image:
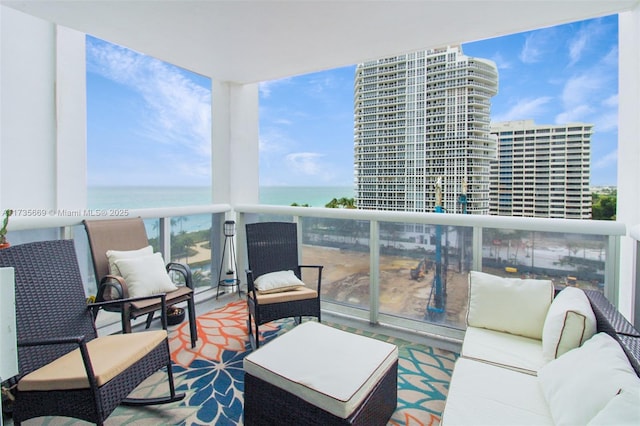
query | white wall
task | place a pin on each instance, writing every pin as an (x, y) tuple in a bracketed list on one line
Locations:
[(43, 114), (628, 149)]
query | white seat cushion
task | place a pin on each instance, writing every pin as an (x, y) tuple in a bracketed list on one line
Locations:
[(329, 368), (482, 393), (508, 350)]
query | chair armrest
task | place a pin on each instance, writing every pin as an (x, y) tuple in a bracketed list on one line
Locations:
[(95, 307), (51, 341), (114, 282), (183, 270)]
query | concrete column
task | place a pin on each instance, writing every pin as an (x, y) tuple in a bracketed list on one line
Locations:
[(235, 143), (628, 210)]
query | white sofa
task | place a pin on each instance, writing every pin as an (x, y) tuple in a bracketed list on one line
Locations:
[(531, 358)]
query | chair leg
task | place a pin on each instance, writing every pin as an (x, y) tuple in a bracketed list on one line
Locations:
[(252, 339), (149, 319), (193, 326), (172, 397)]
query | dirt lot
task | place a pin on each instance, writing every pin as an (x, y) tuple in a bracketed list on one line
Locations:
[(346, 279)]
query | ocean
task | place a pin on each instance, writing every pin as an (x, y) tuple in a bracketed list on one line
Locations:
[(140, 197)]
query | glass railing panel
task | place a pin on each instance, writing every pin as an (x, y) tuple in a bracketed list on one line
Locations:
[(342, 247), (565, 258), (191, 242), (423, 272)]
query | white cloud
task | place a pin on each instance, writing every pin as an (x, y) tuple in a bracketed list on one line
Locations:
[(536, 45), (582, 96), (524, 109), (611, 159), (580, 89), (576, 113), (611, 101), (501, 62), (307, 163), (266, 87), (177, 111), (577, 46), (583, 39)]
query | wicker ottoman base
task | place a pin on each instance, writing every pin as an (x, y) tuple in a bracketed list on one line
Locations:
[(266, 404)]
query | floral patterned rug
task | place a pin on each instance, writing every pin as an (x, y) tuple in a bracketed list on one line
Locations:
[(211, 376)]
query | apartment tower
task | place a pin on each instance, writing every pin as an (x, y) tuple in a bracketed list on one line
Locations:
[(541, 170), (421, 118)]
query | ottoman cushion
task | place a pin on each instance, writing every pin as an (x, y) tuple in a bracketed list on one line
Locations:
[(332, 369)]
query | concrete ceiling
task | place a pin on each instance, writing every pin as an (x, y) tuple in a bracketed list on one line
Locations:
[(260, 40)]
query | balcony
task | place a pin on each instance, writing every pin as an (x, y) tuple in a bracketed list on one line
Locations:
[(44, 145), (381, 265)]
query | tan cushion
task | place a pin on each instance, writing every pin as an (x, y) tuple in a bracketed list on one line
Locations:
[(180, 292), (287, 296), (110, 356)]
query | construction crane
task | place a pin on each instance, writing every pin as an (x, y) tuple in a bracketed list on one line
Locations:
[(436, 302)]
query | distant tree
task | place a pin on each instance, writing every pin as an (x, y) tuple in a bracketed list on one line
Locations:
[(333, 204), (300, 205), (344, 203), (603, 206)]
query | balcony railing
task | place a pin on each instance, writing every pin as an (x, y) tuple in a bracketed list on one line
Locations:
[(407, 270)]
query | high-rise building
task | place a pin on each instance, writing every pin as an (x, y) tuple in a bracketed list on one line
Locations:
[(541, 170), (420, 118)]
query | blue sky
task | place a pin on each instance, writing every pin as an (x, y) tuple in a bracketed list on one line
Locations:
[(149, 122)]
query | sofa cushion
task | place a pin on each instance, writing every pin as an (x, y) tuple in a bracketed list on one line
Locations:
[(580, 383), (622, 410), (513, 305), (481, 393), (569, 323), (507, 350)]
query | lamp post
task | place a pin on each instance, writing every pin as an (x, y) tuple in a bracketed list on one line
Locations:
[(230, 280)]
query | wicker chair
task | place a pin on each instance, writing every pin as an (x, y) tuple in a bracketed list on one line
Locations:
[(130, 234), (65, 369), (273, 247)]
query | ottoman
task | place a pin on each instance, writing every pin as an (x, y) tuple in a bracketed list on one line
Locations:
[(318, 375)]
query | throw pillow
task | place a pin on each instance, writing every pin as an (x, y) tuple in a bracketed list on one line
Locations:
[(512, 305), (580, 383), (114, 255), (622, 410), (275, 282), (569, 323), (145, 276)]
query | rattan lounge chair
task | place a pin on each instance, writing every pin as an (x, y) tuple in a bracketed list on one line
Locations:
[(273, 247), (130, 234), (65, 369)]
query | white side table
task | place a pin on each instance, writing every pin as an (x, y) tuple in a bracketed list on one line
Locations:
[(8, 345)]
